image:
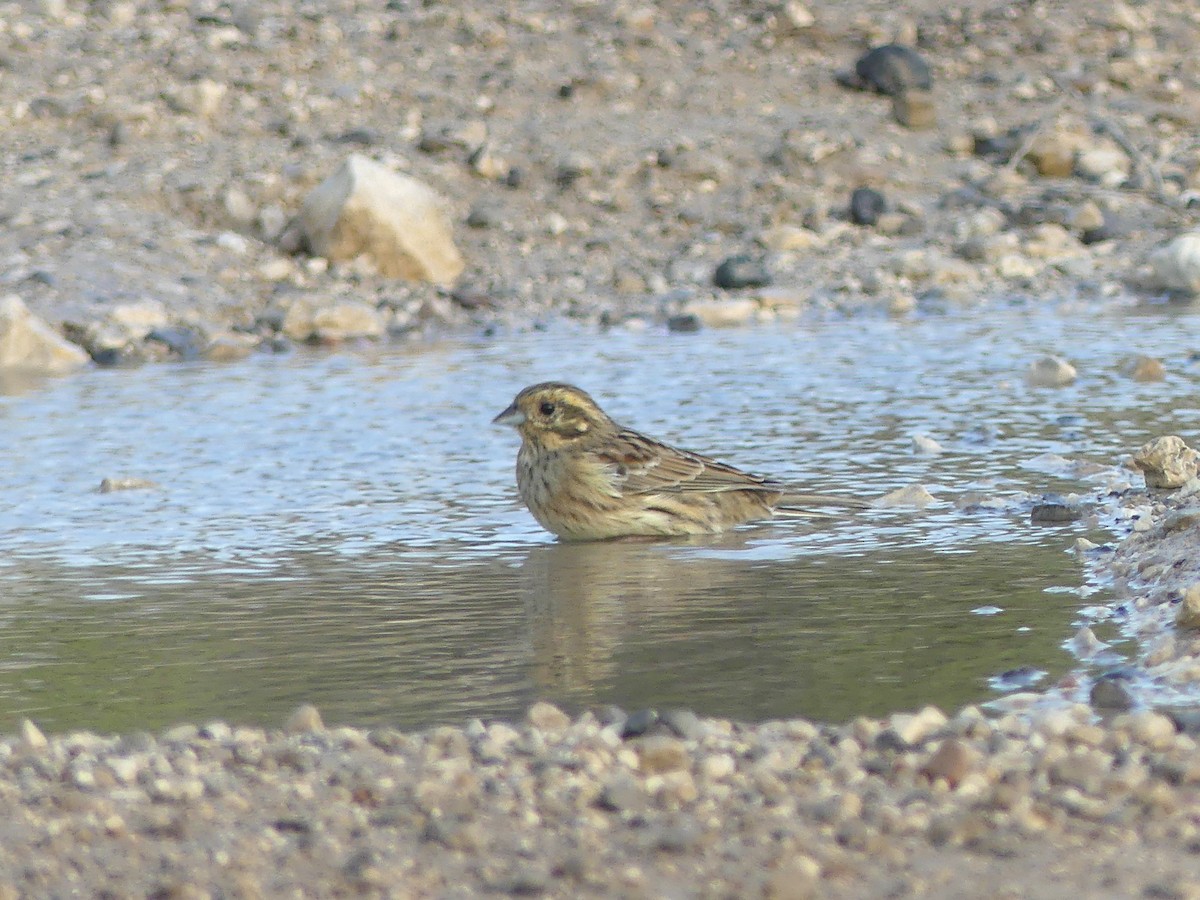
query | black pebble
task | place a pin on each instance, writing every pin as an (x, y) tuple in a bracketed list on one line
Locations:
[(866, 206), (182, 342), (893, 69), (639, 723), (741, 271), (1054, 513), (1110, 692), (684, 323)]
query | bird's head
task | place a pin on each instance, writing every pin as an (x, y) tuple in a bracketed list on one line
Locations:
[(553, 415)]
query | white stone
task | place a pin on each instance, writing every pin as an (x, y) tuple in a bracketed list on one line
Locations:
[(364, 208), (1176, 267), (1050, 371), (27, 344), (915, 495)]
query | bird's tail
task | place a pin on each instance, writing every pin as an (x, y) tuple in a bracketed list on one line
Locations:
[(817, 505)]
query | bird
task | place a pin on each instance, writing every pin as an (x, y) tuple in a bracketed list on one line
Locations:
[(584, 477)]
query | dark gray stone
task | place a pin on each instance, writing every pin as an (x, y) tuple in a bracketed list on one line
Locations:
[(741, 271), (893, 69), (866, 206)]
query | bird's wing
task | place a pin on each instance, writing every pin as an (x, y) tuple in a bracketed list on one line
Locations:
[(641, 465)]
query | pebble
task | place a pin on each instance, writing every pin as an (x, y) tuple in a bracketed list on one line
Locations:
[(724, 313), (304, 720), (1054, 513), (365, 209), (893, 69), (658, 754), (1176, 266), (914, 495), (866, 206), (685, 323), (1111, 693), (1050, 371), (915, 109), (27, 344), (1188, 613), (925, 445), (547, 717), (914, 728), (951, 762), (128, 483), (1144, 368), (1167, 462), (741, 271)]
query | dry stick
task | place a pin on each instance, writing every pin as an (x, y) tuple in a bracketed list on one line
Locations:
[(1139, 159), (1030, 139)]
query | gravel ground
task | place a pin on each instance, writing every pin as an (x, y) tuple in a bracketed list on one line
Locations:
[(600, 161)]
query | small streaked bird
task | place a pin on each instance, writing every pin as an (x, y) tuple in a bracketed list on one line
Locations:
[(584, 477)]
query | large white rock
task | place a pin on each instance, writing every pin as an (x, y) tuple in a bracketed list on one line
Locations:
[(1176, 266), (396, 220), (27, 344)]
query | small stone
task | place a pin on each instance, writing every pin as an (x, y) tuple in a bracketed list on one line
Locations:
[(893, 69), (1050, 371), (182, 342), (924, 445), (639, 723), (229, 347), (659, 753), (1144, 368), (866, 205), (740, 272), (1148, 728), (364, 208), (1088, 217), (1188, 614), (547, 717), (27, 344), (798, 15), (31, 736), (952, 762), (1054, 512), (1111, 693), (915, 109), (715, 768), (684, 723), (1167, 462), (915, 495), (1176, 267), (788, 238), (1053, 154), (796, 878), (724, 313), (622, 793), (1106, 165), (1085, 643), (305, 719), (685, 323), (914, 728), (346, 320), (111, 485)]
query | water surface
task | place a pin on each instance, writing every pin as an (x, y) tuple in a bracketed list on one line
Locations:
[(343, 528)]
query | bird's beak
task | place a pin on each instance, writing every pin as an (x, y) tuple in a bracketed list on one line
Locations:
[(511, 416)]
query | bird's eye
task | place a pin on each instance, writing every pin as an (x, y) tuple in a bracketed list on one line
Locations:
[(547, 408)]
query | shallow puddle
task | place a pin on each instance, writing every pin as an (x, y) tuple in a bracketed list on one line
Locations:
[(343, 529)]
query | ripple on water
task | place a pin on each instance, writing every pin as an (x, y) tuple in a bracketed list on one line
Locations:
[(342, 529)]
